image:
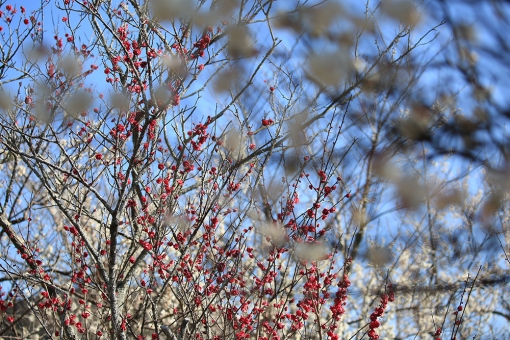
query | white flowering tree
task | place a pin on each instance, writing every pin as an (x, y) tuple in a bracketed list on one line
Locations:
[(237, 169)]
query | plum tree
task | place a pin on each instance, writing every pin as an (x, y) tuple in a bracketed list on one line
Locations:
[(226, 169)]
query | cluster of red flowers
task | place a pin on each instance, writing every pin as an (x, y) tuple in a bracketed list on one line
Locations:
[(379, 312), (199, 130), (201, 45), (438, 333), (267, 122), (5, 303)]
